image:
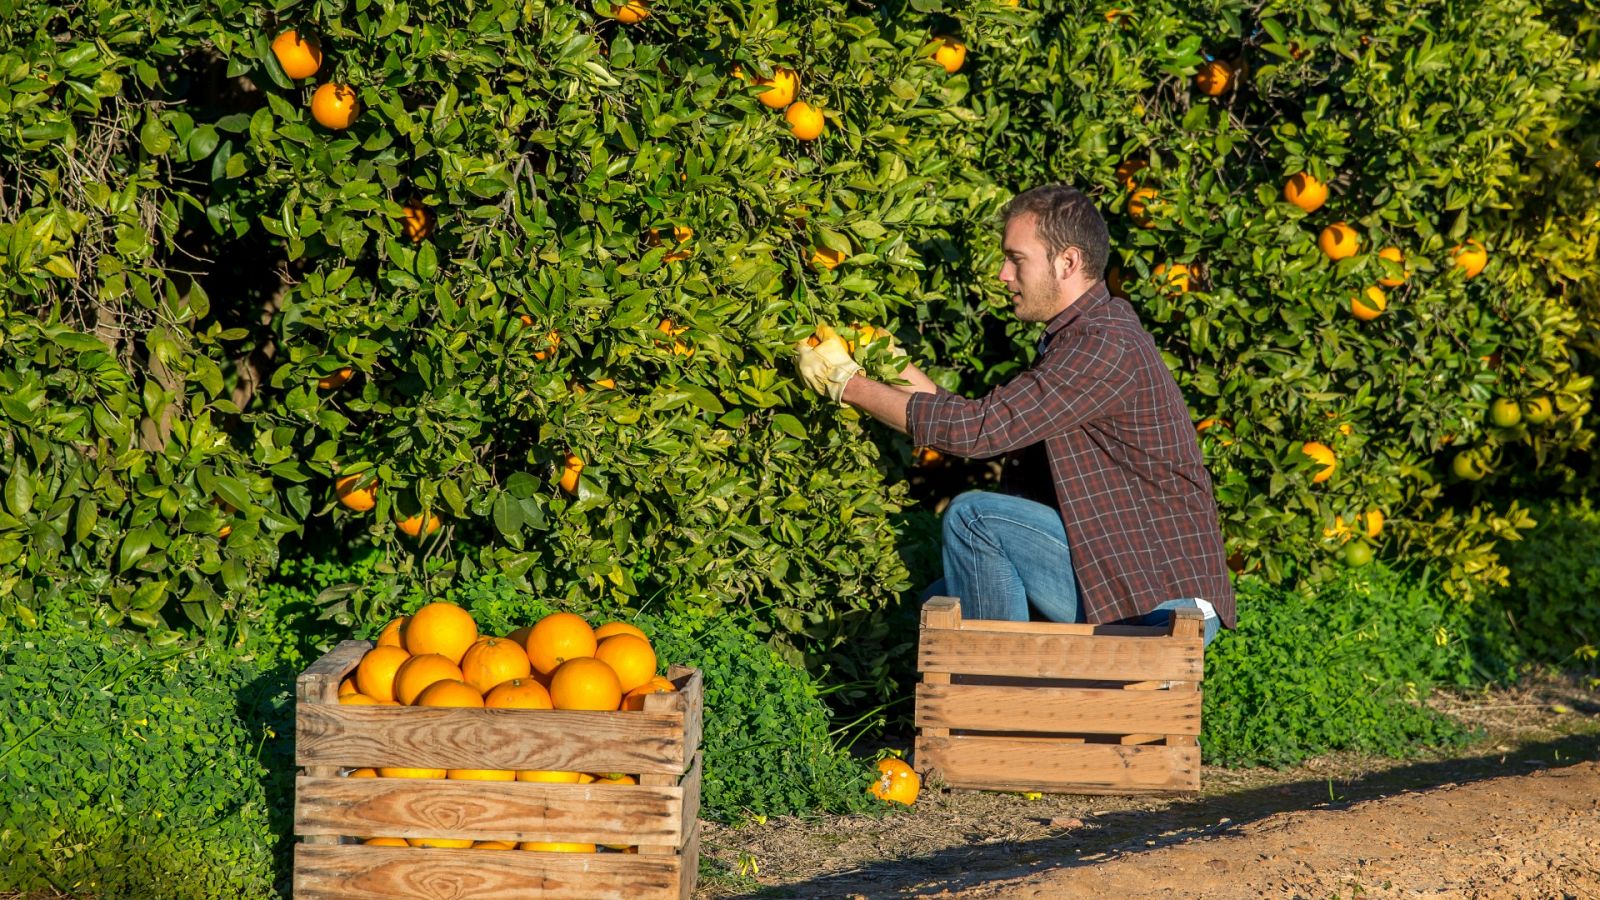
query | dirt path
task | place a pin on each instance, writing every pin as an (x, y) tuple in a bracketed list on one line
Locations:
[(1515, 815), (1517, 837)]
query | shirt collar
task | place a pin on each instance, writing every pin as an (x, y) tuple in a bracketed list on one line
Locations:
[(1086, 301)]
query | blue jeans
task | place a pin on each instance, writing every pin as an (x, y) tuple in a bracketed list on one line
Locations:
[(1003, 554)]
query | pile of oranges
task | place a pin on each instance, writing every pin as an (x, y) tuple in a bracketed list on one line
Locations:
[(437, 657)]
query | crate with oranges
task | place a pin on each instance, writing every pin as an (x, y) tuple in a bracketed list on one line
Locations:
[(562, 744)]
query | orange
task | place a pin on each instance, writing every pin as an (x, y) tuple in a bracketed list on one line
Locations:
[(518, 693), (897, 782), (335, 380), (1203, 424), (493, 661), (1393, 255), (570, 473), (442, 628), (585, 778), (1471, 257), (224, 531), (375, 674), (392, 633), (927, 457), (616, 778), (951, 53), (1323, 454), (679, 348), (404, 772), (1370, 305), (630, 13), (780, 88), (521, 635), (657, 685), (1214, 78), (419, 672), (585, 683), (447, 843), (353, 496), (451, 693), (557, 638), (557, 847), (552, 341), (546, 776), (335, 106), (826, 257), (1339, 241), (359, 700), (610, 628), (805, 121), (1127, 169), (348, 686), (1373, 521), (495, 845), (1178, 279), (412, 524), (1139, 206), (299, 56), (1305, 191), (363, 773), (481, 774), (630, 657), (386, 842), (416, 221)]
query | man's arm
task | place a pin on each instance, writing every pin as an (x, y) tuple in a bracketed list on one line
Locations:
[(884, 402), (917, 382)]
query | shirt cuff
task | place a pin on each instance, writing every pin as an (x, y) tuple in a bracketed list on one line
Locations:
[(922, 413)]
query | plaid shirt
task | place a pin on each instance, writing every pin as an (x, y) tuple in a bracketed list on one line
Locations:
[(1130, 482)]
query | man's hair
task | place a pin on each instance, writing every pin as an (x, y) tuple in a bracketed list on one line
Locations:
[(1066, 218)]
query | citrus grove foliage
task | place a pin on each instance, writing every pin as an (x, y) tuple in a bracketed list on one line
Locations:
[(528, 273)]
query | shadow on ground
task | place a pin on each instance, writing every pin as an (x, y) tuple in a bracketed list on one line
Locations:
[(1118, 834)]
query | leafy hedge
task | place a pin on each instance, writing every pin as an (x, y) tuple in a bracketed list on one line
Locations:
[(1555, 580)]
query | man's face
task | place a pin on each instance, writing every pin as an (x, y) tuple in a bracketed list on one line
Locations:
[(1029, 273)]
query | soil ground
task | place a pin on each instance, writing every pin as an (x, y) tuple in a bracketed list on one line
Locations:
[(1516, 814)]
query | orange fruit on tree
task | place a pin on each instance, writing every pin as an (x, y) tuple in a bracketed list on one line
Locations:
[(571, 472), (445, 843), (631, 12), (548, 776), (518, 693), (552, 340), (299, 55), (1471, 257), (375, 673), (481, 774), (335, 106), (557, 846), (1339, 241), (409, 772), (1127, 169), (416, 221), (353, 496), (1369, 305), (585, 683), (826, 257), (1139, 206), (557, 638), (951, 53), (1178, 279), (927, 457), (780, 88), (421, 671), (1393, 255), (442, 628), (491, 662), (391, 635), (805, 121), (630, 657), (413, 525), (335, 380), (610, 628), (1305, 191), (450, 693), (1323, 454), (897, 782), (1214, 78), (1373, 520)]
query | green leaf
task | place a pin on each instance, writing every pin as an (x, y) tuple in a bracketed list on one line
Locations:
[(19, 491)]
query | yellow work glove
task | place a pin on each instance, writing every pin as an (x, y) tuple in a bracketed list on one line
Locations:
[(825, 367)]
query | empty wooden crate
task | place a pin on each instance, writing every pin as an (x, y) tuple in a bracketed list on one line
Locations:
[(333, 813), (1045, 706)]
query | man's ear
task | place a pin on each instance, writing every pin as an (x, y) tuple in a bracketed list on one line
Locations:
[(1068, 261)]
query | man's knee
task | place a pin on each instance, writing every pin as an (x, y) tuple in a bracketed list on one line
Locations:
[(962, 514)]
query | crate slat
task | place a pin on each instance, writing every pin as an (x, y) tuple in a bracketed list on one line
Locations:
[(1100, 657), (689, 875), (354, 736), (490, 811), (353, 872), (1065, 710), (1047, 764)]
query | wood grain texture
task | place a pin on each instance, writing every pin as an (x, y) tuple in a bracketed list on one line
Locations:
[(1044, 764), (1063, 710), (354, 872), (1059, 655), (1186, 624), (938, 612), (689, 875), (490, 811), (318, 685)]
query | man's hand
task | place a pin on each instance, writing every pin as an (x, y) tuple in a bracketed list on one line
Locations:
[(826, 367), (866, 334)]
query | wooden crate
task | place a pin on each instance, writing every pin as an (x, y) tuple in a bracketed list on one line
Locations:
[(1045, 706), (659, 745)]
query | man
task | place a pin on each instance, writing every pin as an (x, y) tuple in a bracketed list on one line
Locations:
[(1133, 530)]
